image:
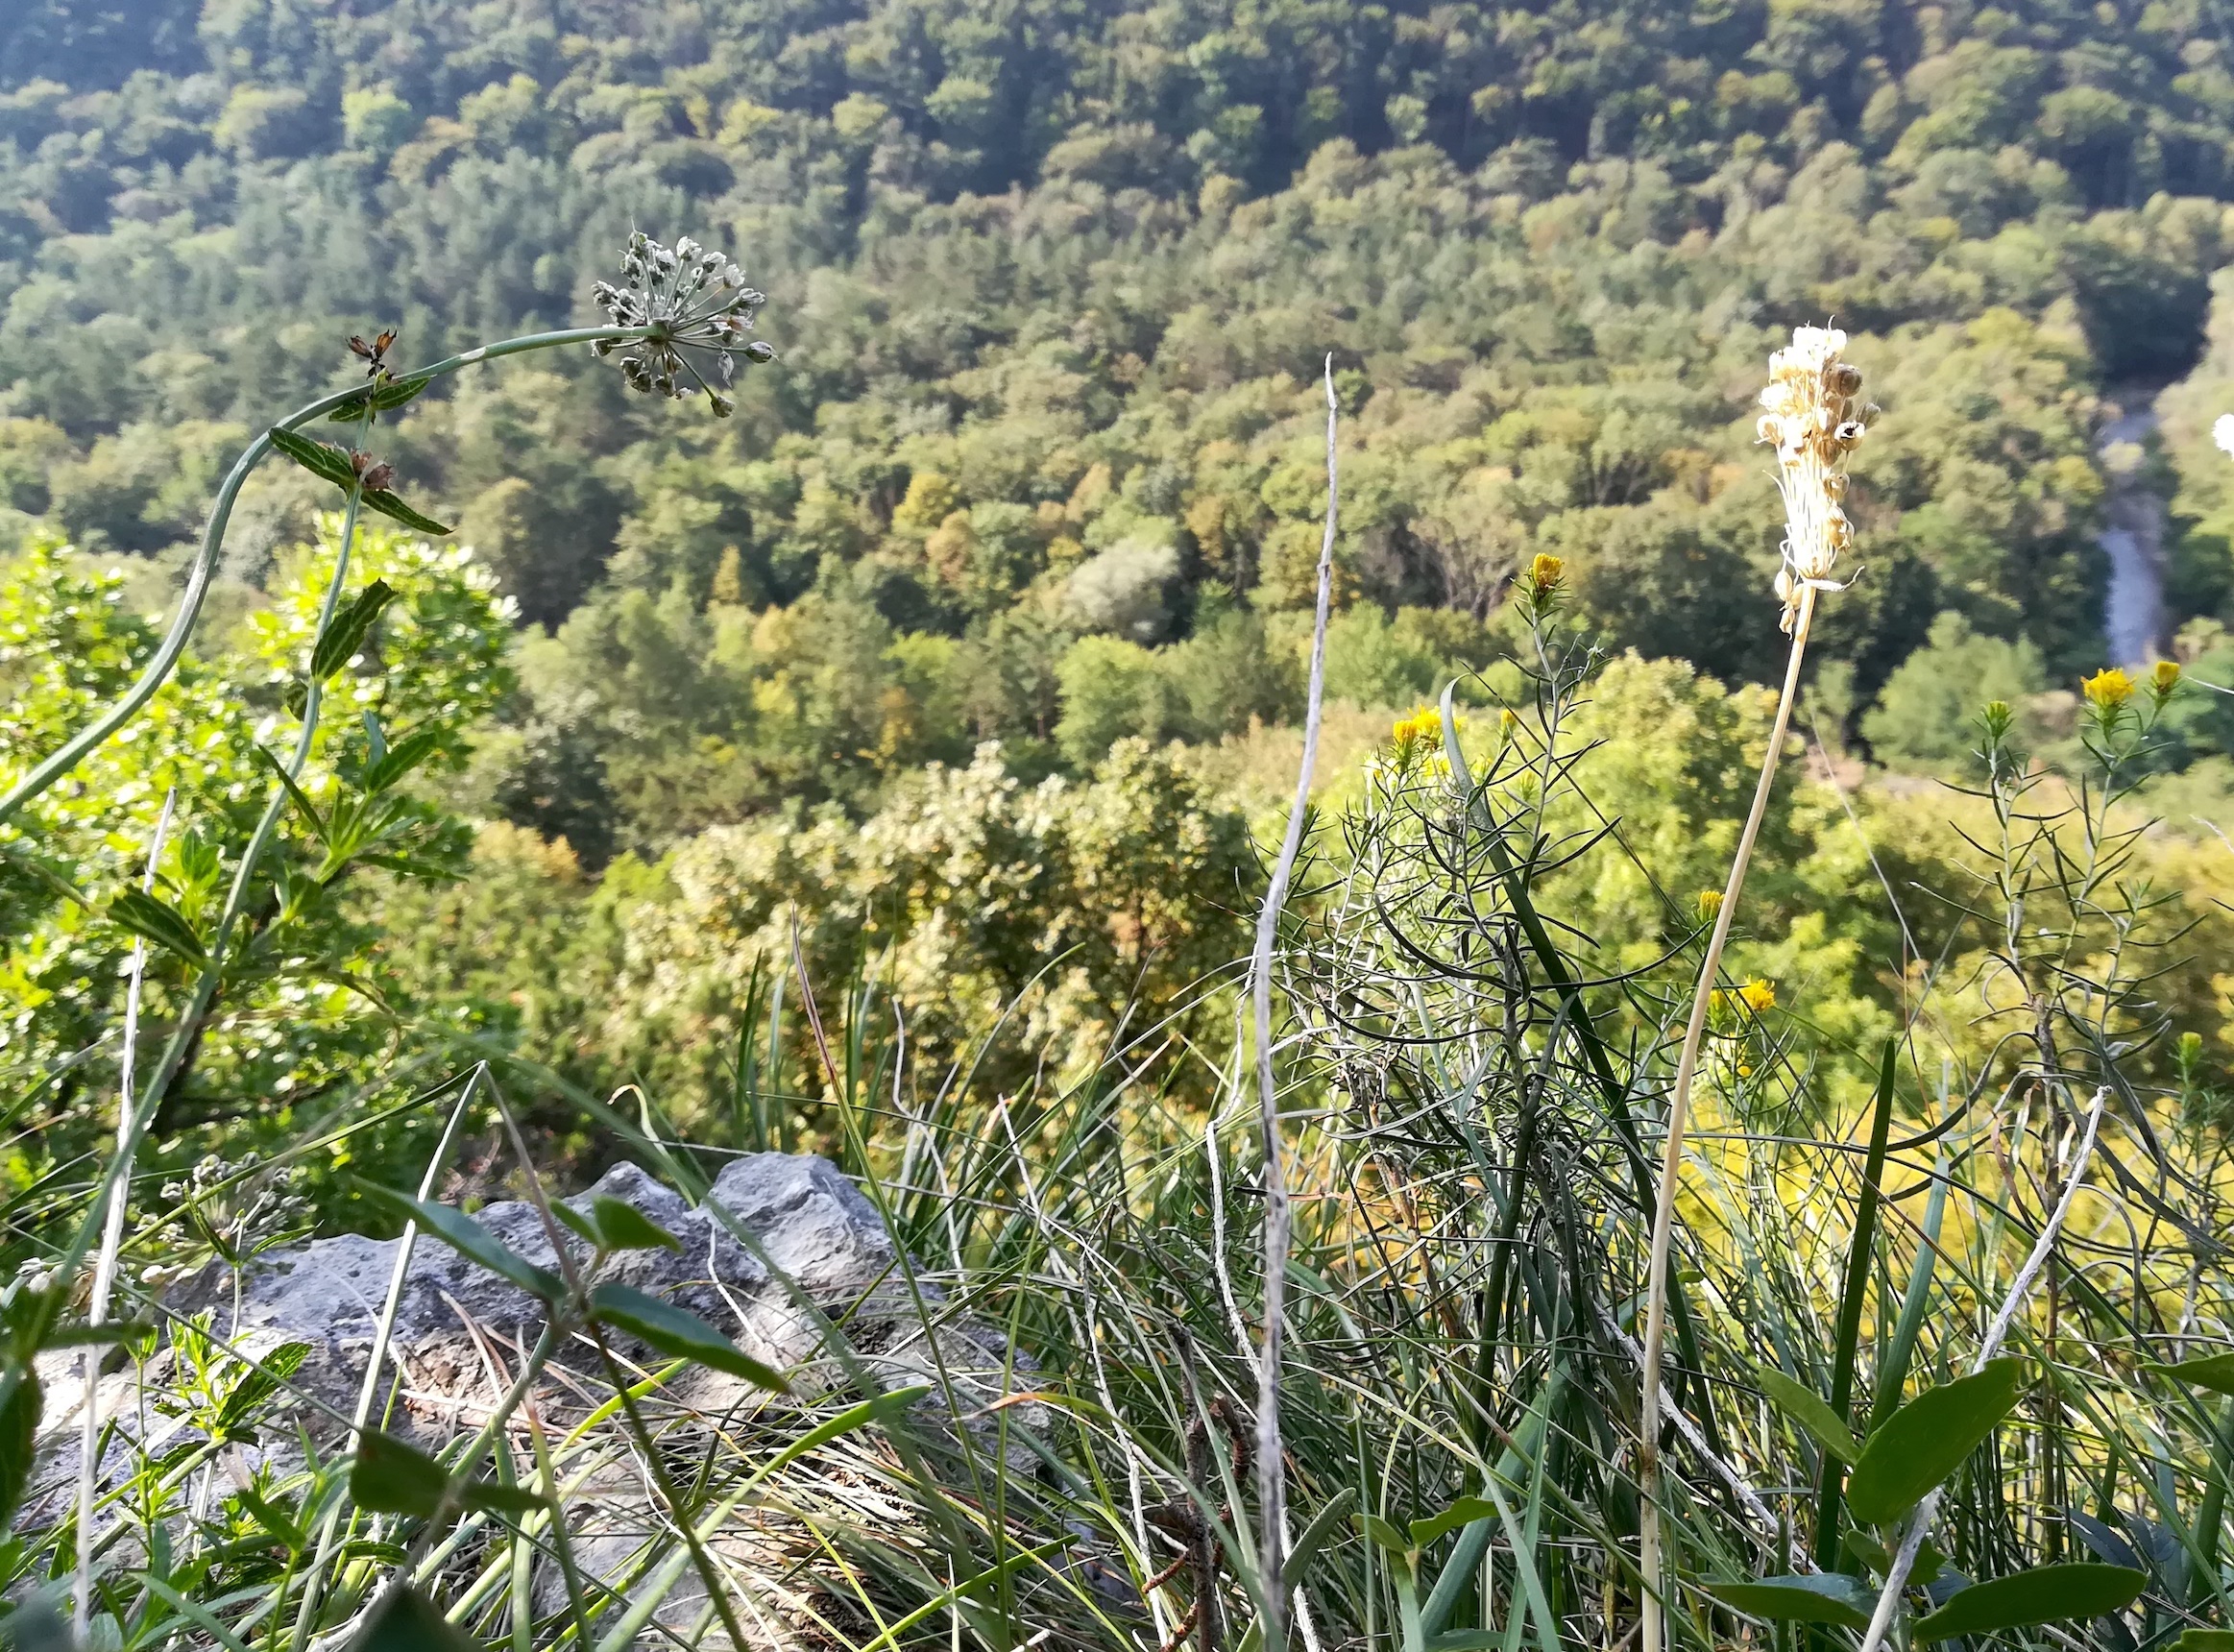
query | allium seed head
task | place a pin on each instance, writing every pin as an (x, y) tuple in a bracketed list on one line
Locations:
[(700, 311)]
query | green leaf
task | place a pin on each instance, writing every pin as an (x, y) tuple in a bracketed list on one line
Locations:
[(621, 1226), (1926, 1440), (1452, 752), (399, 760), (346, 634), (1818, 1597), (2214, 1372), (576, 1222), (49, 874), (1388, 1535), (156, 920), (379, 398), (272, 1518), (264, 1379), (81, 1333), (472, 1240), (1811, 1412), (2043, 1594), (2205, 1641), (1463, 1513), (392, 1476), (678, 1333), (389, 505), (1314, 1536), (18, 1442), (1465, 1641), (405, 1621), (295, 792), (322, 459)]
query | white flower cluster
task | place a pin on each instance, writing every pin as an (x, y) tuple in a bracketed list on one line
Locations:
[(1814, 421), (693, 299)]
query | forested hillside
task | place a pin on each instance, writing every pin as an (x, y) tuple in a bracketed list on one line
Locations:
[(1051, 283), (1040, 465)]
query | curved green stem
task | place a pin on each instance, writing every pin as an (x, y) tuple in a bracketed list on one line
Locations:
[(165, 660)]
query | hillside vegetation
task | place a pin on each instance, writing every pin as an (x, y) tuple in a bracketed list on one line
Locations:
[(1678, 1177), (1038, 472), (1052, 283)]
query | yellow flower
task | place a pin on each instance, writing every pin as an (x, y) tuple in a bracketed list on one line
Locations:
[(2107, 688), (1710, 903), (1508, 721), (1546, 574), (2163, 680), (1758, 995), (1423, 724), (1744, 1071)]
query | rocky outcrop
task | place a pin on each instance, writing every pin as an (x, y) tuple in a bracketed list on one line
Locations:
[(787, 1257)]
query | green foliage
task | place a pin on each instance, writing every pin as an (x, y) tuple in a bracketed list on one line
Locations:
[(2043, 1594), (1928, 714), (1924, 1441), (966, 896), (307, 1015), (1053, 334), (676, 1333)]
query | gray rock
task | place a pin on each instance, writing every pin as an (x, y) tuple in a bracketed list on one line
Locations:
[(816, 1254)]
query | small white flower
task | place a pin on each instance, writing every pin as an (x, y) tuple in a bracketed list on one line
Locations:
[(2223, 433)]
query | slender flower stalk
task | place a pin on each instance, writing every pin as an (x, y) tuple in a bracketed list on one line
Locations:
[(111, 1246), (1811, 418), (1271, 1464)]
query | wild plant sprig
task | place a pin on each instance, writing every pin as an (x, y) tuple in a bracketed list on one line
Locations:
[(1811, 418), (360, 403)]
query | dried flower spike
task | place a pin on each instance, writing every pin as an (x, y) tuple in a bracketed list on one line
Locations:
[(1813, 419), (699, 309)]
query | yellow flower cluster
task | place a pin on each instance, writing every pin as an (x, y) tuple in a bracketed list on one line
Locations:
[(1424, 723), (1546, 573), (1811, 417), (1757, 995), (2107, 690)]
